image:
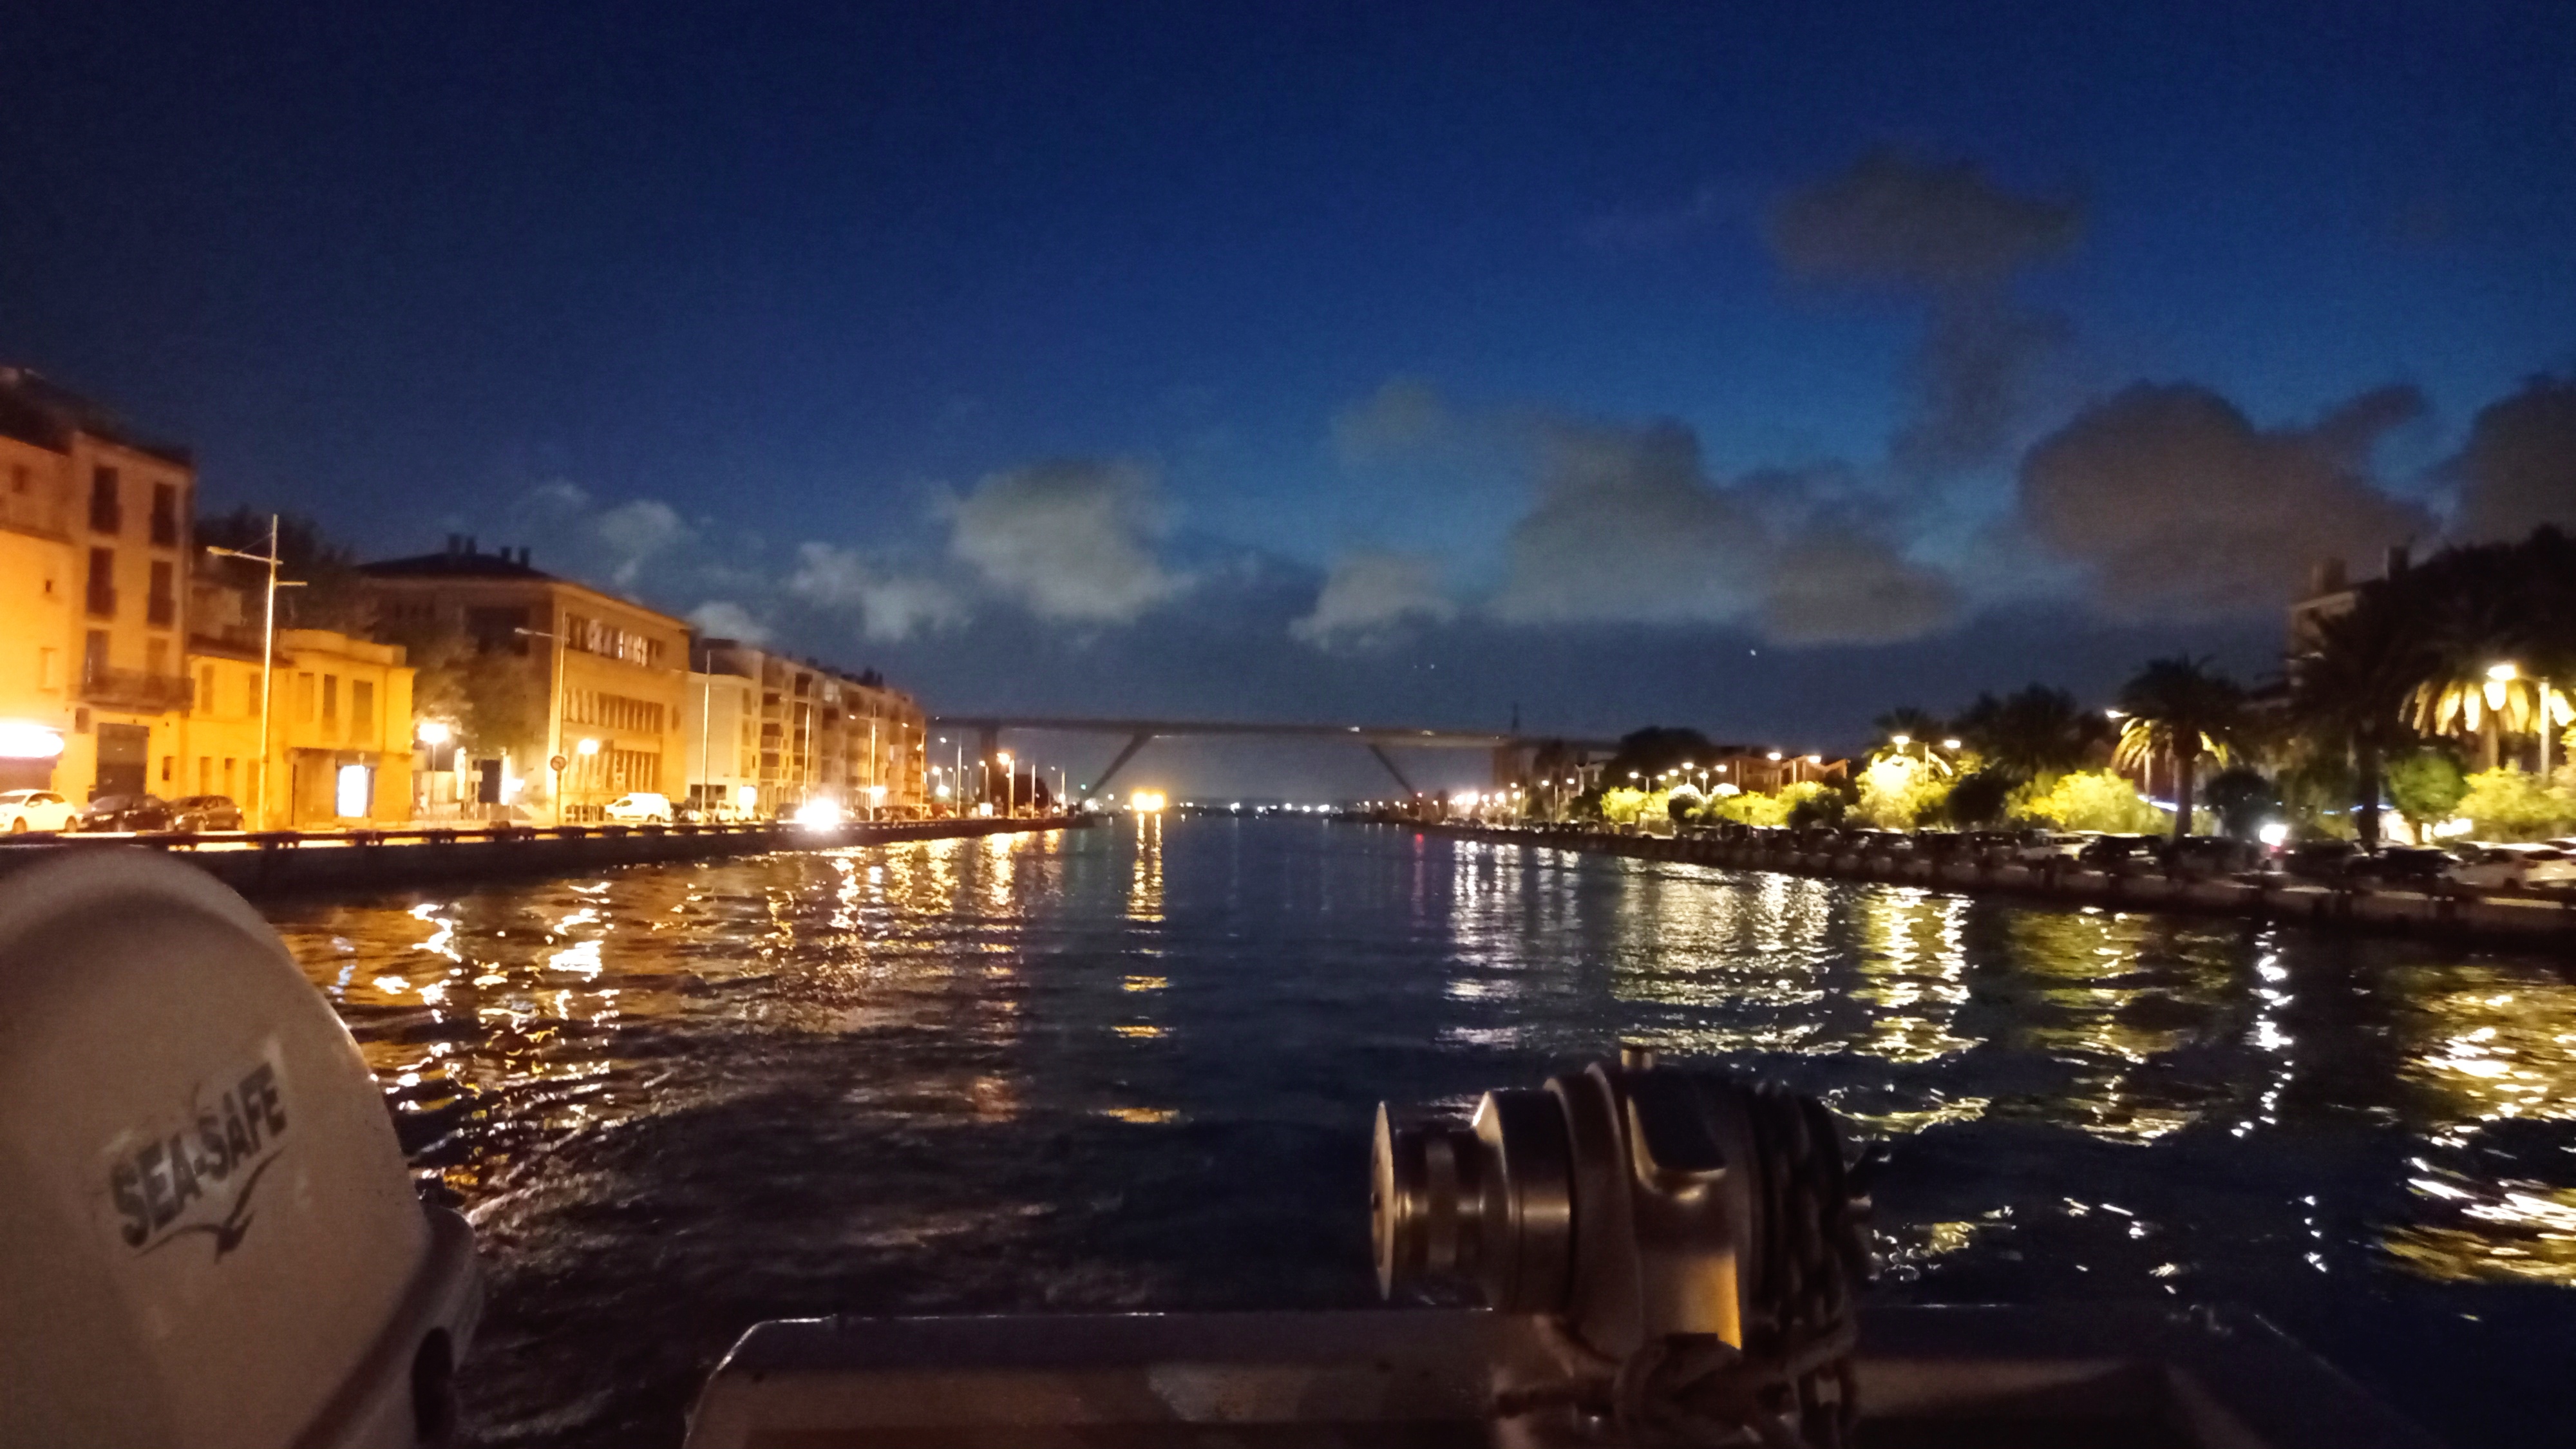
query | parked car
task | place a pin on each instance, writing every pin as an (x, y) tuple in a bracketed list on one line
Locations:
[(2515, 867), (2400, 865), (205, 812), (639, 807), (2315, 859), (2118, 854), (2203, 856), (124, 812), (2042, 846), (25, 810)]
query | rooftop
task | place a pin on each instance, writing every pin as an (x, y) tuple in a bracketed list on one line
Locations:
[(36, 409), (460, 560)]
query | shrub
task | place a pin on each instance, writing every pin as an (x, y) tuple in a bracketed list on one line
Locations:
[(2092, 800), (1900, 792), (2513, 804), (2426, 786)]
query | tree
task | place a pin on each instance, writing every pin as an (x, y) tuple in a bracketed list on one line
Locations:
[(2037, 733), (1915, 726), (2180, 709), (1902, 791), (1644, 754), (2091, 800), (1979, 798), (2516, 805), (2242, 799), (2426, 786), (2349, 687), (1811, 803), (333, 595)]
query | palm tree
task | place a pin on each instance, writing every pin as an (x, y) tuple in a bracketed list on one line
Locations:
[(2034, 733), (2178, 708), (2349, 689)]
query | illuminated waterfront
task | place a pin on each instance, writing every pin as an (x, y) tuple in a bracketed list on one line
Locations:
[(1133, 1067)]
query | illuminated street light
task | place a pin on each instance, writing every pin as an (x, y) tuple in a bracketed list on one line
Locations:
[(1900, 741), (2503, 673), (1949, 744), (1775, 757), (432, 732), (587, 747)]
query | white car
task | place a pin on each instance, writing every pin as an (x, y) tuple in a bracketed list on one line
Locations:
[(640, 808), (25, 810), (2530, 867)]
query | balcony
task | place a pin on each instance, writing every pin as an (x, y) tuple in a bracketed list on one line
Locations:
[(136, 690), (102, 600), (161, 611)]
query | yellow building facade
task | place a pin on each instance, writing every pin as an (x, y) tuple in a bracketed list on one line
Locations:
[(610, 672), (94, 582), (339, 750)]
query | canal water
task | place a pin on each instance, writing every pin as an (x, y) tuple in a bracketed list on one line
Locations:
[(1133, 1067)]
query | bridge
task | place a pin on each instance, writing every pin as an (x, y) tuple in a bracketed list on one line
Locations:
[(1140, 732)]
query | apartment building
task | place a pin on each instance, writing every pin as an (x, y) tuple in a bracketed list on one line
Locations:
[(609, 676), (339, 742), (802, 732), (94, 574)]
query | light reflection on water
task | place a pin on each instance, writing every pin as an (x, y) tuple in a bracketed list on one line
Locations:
[(1134, 1066)]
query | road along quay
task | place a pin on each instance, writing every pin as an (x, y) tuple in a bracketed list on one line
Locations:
[(2519, 920), (292, 862)]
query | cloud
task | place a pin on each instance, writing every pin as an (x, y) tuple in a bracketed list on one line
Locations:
[(1404, 416), (891, 605), (1894, 219), (725, 619), (1368, 594), (1836, 587), (2518, 468), (1072, 540), (634, 533), (1628, 528), (1941, 233), (2182, 509)]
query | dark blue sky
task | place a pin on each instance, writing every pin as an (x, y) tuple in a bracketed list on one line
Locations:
[(1688, 363)]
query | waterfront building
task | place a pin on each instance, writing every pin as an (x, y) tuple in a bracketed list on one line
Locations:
[(94, 555), (339, 743), (720, 740), (816, 733), (606, 678)]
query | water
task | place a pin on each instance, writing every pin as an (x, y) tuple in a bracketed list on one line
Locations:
[(1134, 1067)]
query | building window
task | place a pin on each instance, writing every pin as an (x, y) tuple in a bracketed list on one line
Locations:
[(330, 698), (18, 478), (94, 655), (106, 512), (230, 762), (205, 774), (206, 688), (362, 708), (304, 696), (165, 515), (156, 658), (102, 582), (161, 609)]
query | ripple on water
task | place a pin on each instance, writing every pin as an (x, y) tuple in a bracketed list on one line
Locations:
[(1134, 1067)]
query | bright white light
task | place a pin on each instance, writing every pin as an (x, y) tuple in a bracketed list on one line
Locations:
[(587, 747), (1949, 744), (1145, 802), (432, 732), (2502, 672), (1900, 741), (818, 814), (876, 794), (1002, 755), (26, 740), (2274, 832), (350, 798), (1775, 754), (941, 792)]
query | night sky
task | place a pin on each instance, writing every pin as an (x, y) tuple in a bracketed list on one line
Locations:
[(1752, 368)]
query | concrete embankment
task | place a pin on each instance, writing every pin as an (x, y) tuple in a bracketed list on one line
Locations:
[(281, 863), (2544, 921)]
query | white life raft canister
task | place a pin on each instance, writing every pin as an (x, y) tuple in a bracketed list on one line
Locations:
[(207, 1235)]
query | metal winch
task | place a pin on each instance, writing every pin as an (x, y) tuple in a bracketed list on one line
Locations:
[(1693, 1243)]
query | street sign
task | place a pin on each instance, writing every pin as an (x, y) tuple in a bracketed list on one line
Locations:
[(557, 763)]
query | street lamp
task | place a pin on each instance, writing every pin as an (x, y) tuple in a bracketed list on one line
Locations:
[(1010, 783)]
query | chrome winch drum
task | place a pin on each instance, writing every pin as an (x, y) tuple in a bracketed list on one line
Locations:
[(1698, 1240)]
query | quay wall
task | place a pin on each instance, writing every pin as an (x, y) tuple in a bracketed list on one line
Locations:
[(288, 862), (2525, 921)]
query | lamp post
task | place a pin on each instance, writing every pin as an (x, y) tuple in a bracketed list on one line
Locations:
[(1010, 783), (267, 658), (554, 712)]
